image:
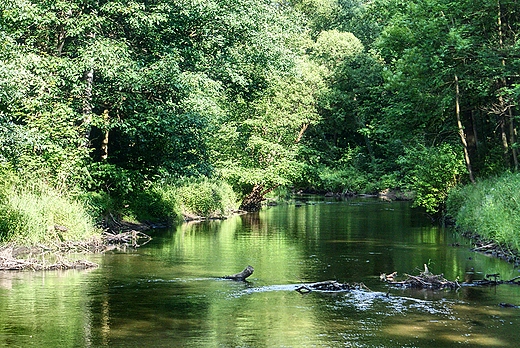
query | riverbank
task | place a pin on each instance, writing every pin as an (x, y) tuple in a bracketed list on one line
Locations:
[(488, 213), (492, 248)]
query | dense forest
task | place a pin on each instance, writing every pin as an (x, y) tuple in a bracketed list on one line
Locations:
[(147, 109)]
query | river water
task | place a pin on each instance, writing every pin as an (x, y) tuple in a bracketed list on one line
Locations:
[(168, 293)]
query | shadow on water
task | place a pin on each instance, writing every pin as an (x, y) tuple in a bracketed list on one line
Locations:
[(169, 293)]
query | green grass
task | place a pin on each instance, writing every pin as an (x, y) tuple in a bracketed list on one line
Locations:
[(490, 208), (34, 213)]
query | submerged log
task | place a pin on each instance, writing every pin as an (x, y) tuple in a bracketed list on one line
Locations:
[(330, 286), (242, 275)]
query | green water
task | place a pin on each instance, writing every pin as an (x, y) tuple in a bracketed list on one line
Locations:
[(168, 294)]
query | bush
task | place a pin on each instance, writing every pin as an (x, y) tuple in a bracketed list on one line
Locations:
[(156, 202), (431, 172), (342, 180), (205, 198)]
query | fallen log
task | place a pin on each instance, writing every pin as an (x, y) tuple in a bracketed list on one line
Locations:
[(131, 238), (242, 275)]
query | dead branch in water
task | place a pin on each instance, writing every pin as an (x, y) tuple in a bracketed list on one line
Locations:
[(425, 280), (130, 238)]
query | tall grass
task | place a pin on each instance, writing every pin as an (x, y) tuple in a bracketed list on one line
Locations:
[(33, 213), (490, 208)]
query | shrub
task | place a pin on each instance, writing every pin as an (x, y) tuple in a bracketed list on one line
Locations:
[(341, 180), (430, 172), (205, 198)]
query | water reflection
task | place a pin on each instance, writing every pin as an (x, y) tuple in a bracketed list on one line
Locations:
[(169, 292)]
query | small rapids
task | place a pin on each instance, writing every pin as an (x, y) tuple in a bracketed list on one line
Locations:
[(362, 300)]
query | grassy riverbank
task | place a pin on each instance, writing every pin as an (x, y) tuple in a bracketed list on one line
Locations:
[(490, 208), (33, 212)]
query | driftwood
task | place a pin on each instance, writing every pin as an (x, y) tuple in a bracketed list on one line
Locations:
[(330, 286), (492, 280), (8, 262), (242, 275), (51, 257), (131, 238), (425, 280)]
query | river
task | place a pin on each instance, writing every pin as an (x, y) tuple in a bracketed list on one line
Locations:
[(168, 293)]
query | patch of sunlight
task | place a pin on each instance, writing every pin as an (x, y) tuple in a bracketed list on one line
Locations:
[(476, 340)]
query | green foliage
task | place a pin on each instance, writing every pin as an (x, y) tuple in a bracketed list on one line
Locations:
[(205, 198), (431, 173), (334, 47), (154, 203), (490, 208), (342, 180)]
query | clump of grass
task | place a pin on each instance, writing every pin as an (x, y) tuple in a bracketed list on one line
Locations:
[(37, 213), (490, 208)]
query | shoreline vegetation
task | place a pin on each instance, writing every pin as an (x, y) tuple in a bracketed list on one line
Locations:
[(488, 207), (488, 213)]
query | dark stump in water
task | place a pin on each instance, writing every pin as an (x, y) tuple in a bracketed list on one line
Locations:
[(242, 275)]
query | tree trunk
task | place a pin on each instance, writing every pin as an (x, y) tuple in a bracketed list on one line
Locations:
[(505, 107), (88, 77), (512, 137), (104, 141), (253, 201), (302, 131), (461, 130), (104, 146)]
